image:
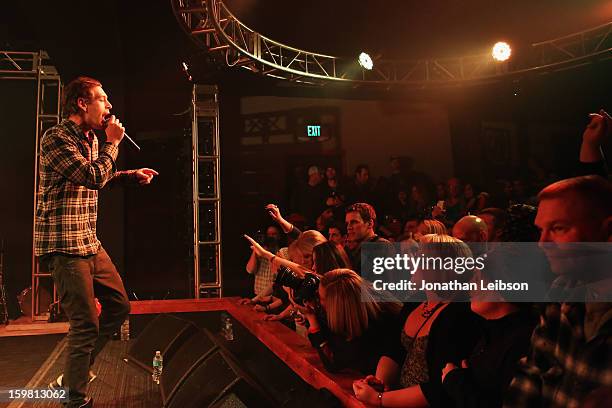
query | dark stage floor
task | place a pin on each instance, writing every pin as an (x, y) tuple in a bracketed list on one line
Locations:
[(272, 368), (35, 362), (22, 356)]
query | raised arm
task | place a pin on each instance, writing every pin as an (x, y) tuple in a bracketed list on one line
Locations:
[(592, 160), (275, 260), (285, 225)]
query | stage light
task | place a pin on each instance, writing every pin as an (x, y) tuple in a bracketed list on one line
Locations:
[(365, 61), (501, 51)]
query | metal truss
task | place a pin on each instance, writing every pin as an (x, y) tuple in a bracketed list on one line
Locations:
[(206, 173), (213, 26), (36, 66)]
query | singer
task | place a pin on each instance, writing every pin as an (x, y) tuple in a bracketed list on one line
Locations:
[(72, 168)]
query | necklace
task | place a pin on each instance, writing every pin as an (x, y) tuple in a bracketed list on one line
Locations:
[(428, 311)]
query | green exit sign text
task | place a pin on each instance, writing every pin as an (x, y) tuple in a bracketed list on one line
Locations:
[(313, 130)]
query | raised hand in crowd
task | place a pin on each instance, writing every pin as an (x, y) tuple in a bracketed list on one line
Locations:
[(594, 135), (258, 249), (276, 215)]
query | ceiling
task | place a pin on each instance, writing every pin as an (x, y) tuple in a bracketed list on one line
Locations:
[(414, 29)]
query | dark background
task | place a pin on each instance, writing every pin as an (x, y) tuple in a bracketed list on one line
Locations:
[(135, 48)]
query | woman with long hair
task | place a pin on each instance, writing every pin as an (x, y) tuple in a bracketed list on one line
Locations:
[(300, 260), (434, 332), (353, 327), (328, 256)]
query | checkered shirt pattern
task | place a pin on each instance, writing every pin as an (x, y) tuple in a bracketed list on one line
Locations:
[(263, 277), (72, 169), (563, 367)]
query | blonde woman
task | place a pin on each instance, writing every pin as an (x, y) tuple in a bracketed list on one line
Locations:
[(434, 332), (348, 327), (300, 261), (426, 227)]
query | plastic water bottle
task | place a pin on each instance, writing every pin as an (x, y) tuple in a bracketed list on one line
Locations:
[(228, 330), (158, 366), (125, 330)]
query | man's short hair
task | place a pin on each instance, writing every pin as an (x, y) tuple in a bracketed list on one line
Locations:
[(361, 167), (365, 210), (77, 88), (500, 217), (594, 190)]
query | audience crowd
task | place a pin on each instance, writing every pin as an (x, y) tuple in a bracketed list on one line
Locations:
[(443, 351)]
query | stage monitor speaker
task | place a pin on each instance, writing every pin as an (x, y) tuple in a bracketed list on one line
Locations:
[(165, 333), (203, 376), (176, 370)]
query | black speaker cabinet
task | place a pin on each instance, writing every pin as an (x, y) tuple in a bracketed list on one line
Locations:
[(202, 374), (165, 333)]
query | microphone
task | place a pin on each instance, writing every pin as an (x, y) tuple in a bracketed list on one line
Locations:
[(105, 122)]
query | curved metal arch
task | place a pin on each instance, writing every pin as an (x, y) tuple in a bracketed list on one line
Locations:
[(214, 27)]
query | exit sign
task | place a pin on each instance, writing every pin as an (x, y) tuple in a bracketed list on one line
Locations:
[(313, 130)]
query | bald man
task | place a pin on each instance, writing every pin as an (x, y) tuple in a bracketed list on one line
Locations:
[(471, 229)]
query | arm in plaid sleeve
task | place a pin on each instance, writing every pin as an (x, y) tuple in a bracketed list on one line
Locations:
[(124, 177), (63, 155), (526, 388)]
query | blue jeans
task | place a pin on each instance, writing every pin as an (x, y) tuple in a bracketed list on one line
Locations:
[(79, 279)]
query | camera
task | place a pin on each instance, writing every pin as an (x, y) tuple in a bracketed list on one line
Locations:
[(304, 289)]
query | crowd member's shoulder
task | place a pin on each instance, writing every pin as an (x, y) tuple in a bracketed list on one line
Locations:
[(458, 313), (378, 238)]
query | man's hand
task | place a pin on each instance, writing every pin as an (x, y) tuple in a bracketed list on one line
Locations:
[(365, 393), (594, 135), (145, 176), (258, 249), (450, 367), (598, 127), (114, 131), (274, 212), (259, 308), (376, 383)]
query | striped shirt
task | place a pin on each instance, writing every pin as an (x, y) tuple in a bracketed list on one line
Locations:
[(72, 168)]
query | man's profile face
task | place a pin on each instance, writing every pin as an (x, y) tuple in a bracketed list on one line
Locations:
[(492, 230), (564, 220), (567, 219), (356, 228), (96, 108)]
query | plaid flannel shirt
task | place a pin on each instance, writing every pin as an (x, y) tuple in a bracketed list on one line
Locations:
[(71, 171), (263, 277), (563, 367)]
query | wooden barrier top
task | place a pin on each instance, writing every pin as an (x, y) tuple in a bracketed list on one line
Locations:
[(293, 349)]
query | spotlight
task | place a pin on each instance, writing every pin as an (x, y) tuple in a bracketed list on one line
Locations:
[(365, 61), (501, 51)]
